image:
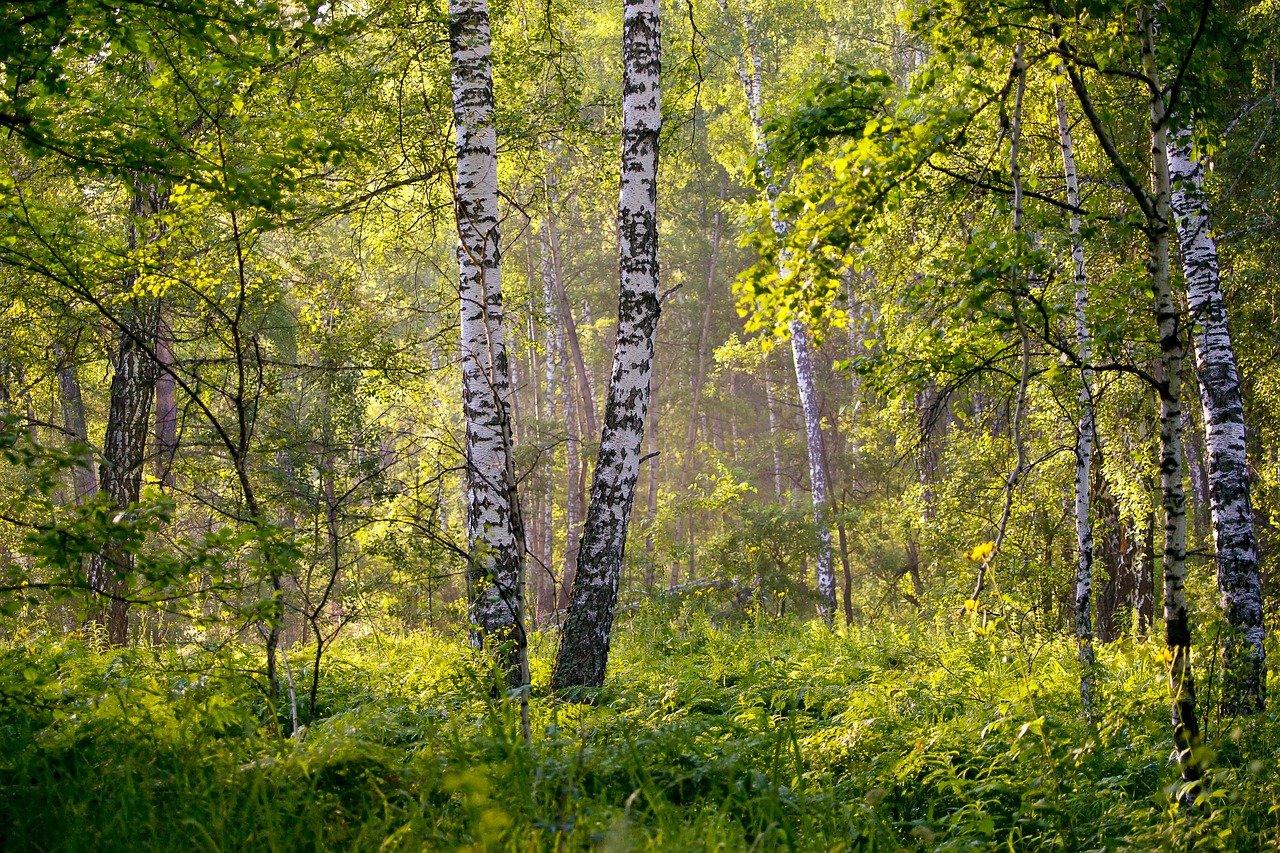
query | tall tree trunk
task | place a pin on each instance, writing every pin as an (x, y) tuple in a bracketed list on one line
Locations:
[(124, 445), (1186, 727), (494, 532), (123, 456), (573, 491), (1085, 430), (565, 307), (547, 592), (1230, 502), (584, 645), (806, 384), (578, 408)]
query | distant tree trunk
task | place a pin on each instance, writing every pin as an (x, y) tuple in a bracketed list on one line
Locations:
[(1144, 587), (494, 532), (698, 380), (584, 644), (651, 516), (1085, 430), (775, 452), (546, 600), (1201, 515), (591, 425), (166, 407), (1230, 501), (573, 492), (83, 480)]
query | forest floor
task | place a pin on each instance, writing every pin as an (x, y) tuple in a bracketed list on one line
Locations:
[(760, 735)]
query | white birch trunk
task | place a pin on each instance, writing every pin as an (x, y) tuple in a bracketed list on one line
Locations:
[(494, 535), (1168, 316), (1230, 501), (806, 385), (584, 645), (1085, 430), (554, 360)]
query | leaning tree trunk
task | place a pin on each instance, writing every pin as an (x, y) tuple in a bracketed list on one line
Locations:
[(1085, 430), (1230, 503), (584, 645), (816, 452), (806, 384), (494, 535), (1168, 316)]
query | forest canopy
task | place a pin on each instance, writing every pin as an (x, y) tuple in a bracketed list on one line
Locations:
[(700, 424)]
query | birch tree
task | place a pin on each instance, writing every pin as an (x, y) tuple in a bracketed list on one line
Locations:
[(1155, 204), (495, 540), (1230, 501), (584, 645), (801, 346), (1086, 428)]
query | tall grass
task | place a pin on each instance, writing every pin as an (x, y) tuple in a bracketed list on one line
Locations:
[(771, 735)]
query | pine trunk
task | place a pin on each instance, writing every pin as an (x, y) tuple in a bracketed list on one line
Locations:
[(124, 449), (584, 645)]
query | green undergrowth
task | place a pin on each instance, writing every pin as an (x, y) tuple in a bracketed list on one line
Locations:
[(760, 736)]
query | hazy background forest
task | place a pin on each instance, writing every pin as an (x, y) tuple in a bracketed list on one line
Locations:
[(703, 424)]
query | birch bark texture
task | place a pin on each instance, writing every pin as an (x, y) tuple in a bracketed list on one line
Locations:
[(1085, 431), (584, 644), (495, 539), (1168, 316), (801, 347), (1230, 501)]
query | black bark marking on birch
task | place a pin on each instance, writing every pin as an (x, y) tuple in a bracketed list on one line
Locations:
[(1230, 499), (495, 537), (584, 645)]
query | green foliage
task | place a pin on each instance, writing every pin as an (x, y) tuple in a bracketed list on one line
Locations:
[(775, 734)]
